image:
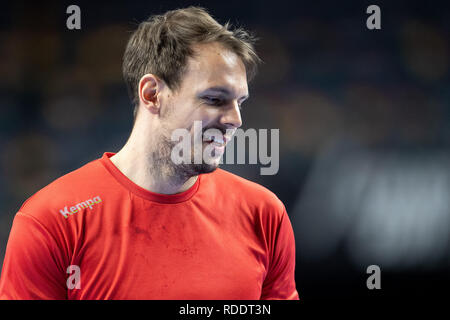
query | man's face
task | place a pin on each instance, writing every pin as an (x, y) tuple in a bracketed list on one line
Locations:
[(211, 91)]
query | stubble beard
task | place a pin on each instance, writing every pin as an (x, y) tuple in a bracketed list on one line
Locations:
[(163, 163)]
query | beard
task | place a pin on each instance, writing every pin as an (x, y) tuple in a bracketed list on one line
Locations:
[(166, 167)]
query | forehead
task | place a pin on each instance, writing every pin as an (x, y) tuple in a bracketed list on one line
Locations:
[(215, 66)]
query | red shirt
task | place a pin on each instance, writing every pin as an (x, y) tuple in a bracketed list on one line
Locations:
[(224, 238)]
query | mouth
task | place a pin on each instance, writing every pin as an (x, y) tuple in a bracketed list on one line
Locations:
[(217, 140)]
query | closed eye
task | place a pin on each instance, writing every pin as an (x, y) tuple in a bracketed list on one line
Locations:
[(214, 101)]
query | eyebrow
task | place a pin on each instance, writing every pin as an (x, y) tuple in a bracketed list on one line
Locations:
[(221, 90)]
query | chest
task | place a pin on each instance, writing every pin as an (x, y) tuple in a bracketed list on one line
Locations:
[(160, 257)]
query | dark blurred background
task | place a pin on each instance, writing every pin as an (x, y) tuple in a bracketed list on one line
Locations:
[(364, 119)]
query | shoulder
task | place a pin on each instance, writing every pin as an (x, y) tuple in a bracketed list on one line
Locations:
[(67, 189), (251, 193)]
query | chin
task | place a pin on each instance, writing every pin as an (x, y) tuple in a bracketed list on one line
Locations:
[(205, 168), (195, 169)]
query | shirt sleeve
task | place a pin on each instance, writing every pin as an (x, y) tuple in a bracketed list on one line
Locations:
[(33, 268), (279, 283)]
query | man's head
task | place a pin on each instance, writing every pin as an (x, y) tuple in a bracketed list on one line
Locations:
[(183, 67)]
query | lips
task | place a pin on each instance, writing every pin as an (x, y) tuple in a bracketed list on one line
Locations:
[(219, 140)]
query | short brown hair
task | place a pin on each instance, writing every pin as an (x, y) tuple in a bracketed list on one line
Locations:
[(162, 44)]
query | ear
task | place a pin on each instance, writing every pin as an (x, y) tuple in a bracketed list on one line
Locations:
[(149, 88)]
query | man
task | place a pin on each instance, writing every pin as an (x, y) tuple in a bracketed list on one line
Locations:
[(135, 225)]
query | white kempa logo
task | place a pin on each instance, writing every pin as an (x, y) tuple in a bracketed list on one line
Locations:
[(80, 206)]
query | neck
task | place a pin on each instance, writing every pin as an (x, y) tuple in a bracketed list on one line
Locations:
[(149, 166)]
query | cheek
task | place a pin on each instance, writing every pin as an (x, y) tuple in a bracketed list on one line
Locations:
[(179, 119), (185, 114), (205, 115), (209, 115)]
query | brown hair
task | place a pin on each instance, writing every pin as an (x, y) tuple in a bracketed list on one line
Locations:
[(162, 44)]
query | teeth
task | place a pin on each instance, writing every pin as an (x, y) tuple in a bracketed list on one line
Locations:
[(218, 140)]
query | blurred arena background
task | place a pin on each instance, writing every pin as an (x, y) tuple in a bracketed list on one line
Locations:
[(364, 119)]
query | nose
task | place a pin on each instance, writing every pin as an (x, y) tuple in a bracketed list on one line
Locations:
[(232, 116)]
